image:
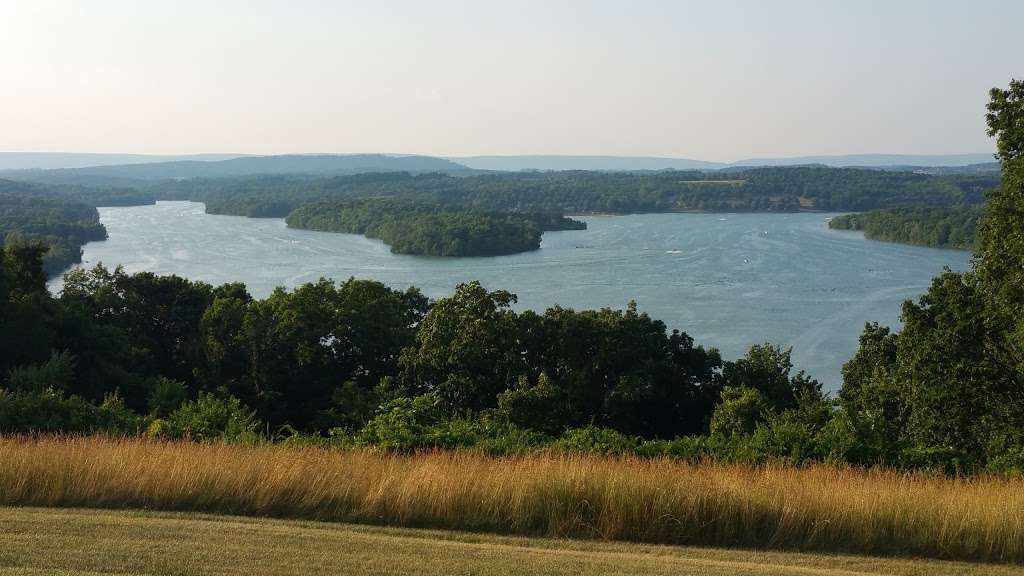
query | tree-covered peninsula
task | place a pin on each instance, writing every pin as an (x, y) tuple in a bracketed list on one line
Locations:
[(35, 213), (949, 227), (431, 229)]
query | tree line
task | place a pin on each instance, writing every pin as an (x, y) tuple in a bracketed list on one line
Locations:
[(752, 189), (359, 362), (948, 227), (782, 189)]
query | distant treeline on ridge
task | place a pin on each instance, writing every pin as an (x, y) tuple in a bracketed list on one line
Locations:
[(465, 214)]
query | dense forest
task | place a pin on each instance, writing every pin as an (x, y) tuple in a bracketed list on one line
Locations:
[(749, 189), (430, 229), (35, 213), (950, 227), (360, 362), (760, 189)]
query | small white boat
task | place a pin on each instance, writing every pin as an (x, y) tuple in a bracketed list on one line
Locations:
[(673, 251)]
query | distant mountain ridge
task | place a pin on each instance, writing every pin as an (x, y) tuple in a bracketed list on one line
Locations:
[(514, 163), (122, 169), (250, 165), (57, 160), (597, 163), (874, 160)]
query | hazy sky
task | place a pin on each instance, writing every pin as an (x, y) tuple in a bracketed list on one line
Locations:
[(709, 80)]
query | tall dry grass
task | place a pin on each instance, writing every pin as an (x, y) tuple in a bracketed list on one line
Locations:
[(660, 501)]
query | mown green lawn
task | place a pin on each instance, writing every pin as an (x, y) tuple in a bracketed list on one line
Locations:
[(73, 541)]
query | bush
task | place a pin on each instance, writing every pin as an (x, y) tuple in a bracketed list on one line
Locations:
[(211, 418), (56, 374), (400, 424), (1006, 453), (783, 439), (839, 442), (166, 396), (1010, 462), (935, 458), (51, 411), (597, 440), (408, 424), (740, 411), (540, 406), (690, 448), (493, 436), (350, 408), (113, 416)]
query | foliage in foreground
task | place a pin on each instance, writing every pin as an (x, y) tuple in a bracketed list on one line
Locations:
[(642, 500), (360, 364)]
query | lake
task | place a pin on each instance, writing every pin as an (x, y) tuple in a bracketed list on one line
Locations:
[(729, 280)]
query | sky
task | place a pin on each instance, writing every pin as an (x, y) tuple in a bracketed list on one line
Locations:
[(716, 80)]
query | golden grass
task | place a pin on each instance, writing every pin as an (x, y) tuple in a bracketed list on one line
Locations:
[(80, 542), (656, 501)]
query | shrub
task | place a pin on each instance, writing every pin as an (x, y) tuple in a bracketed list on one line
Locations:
[(400, 424), (1007, 453), (51, 411), (838, 442), (211, 418), (597, 440), (351, 407), (740, 411), (494, 436), (783, 438), (166, 396), (688, 448), (113, 416), (540, 406), (56, 374)]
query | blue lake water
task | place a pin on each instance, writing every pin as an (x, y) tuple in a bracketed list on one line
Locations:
[(728, 280)]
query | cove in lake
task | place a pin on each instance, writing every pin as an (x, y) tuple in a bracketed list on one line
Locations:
[(728, 280)]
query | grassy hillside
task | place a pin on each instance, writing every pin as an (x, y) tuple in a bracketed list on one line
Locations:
[(48, 541), (653, 501)]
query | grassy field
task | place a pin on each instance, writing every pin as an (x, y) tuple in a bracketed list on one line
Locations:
[(654, 501), (67, 541)]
